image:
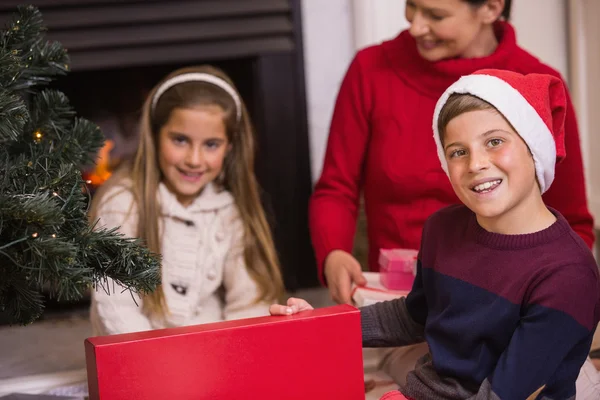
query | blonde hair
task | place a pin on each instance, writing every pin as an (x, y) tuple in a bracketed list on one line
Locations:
[(238, 178)]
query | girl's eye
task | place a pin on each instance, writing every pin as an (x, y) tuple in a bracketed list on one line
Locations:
[(179, 140), (212, 144), (436, 17)]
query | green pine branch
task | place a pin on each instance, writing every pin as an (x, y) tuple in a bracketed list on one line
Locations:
[(39, 60), (47, 245)]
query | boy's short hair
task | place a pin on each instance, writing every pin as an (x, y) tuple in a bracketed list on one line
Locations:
[(458, 104)]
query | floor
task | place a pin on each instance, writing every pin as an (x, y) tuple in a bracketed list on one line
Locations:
[(53, 345), (50, 354)]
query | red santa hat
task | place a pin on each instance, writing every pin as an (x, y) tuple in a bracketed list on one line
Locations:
[(534, 104)]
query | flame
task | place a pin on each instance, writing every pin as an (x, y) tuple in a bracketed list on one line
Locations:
[(102, 171)]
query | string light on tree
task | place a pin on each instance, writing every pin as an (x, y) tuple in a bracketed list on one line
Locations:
[(38, 136)]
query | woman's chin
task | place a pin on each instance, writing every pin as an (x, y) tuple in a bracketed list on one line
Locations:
[(432, 55)]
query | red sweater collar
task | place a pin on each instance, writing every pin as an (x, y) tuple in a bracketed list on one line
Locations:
[(432, 78)]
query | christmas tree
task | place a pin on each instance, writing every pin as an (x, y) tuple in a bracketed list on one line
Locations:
[(47, 245)]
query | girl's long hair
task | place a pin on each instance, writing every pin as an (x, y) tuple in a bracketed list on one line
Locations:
[(238, 178)]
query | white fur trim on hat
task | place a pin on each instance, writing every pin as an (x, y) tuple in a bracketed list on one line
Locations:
[(517, 110)]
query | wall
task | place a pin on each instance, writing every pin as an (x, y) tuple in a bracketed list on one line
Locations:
[(585, 88), (377, 20), (547, 40), (328, 49), (334, 29)]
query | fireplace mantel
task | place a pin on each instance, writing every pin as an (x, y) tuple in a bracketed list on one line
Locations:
[(111, 33)]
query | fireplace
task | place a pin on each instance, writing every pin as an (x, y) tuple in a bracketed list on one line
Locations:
[(120, 48)]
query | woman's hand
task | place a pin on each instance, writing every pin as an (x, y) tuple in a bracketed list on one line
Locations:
[(341, 270), (294, 305)]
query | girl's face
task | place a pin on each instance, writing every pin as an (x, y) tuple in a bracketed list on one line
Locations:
[(192, 146), (490, 167), (452, 28)]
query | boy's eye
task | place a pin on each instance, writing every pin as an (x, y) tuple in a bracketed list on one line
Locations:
[(436, 17), (457, 153), (495, 142)]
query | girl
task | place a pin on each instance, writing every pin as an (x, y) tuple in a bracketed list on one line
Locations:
[(191, 195)]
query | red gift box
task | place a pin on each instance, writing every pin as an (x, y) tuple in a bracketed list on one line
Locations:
[(311, 355), (397, 268)]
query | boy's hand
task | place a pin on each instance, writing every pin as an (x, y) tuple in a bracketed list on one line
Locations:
[(341, 270), (294, 306)]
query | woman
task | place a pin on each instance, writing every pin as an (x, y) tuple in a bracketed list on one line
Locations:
[(380, 142)]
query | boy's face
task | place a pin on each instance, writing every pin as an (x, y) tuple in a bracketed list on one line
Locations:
[(490, 166)]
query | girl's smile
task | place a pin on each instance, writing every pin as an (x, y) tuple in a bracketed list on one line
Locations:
[(192, 148)]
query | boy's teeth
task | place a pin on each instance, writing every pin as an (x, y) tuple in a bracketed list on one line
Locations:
[(486, 185)]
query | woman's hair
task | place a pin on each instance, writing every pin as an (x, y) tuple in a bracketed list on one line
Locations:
[(237, 177), (456, 105), (505, 13)]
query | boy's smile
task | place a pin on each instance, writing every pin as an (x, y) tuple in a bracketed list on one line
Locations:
[(492, 171), (484, 186)]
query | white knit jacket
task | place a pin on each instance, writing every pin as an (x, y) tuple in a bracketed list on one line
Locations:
[(202, 250)]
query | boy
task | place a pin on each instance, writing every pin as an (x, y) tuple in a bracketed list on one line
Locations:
[(506, 295)]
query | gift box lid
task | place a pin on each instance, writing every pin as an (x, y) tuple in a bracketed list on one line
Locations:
[(401, 260), (311, 355)]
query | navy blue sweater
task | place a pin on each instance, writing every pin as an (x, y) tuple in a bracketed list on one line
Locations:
[(503, 315)]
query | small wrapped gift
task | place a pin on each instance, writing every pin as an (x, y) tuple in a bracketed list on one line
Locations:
[(397, 268), (313, 355)]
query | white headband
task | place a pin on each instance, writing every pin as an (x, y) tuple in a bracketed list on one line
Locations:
[(199, 77)]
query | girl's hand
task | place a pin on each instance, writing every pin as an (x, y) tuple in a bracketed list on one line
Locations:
[(294, 306)]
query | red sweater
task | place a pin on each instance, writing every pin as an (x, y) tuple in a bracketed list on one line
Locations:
[(381, 143)]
